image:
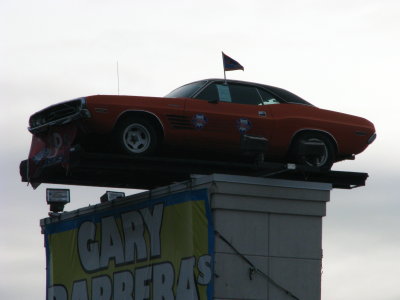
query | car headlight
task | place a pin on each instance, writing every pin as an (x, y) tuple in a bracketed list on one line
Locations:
[(36, 122)]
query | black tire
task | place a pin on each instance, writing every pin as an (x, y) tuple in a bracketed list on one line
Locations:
[(324, 161), (137, 137)]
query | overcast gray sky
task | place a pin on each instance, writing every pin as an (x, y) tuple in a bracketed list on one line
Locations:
[(341, 55)]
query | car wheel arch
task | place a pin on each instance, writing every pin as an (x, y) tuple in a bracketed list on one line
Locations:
[(151, 117), (327, 158), (299, 133)]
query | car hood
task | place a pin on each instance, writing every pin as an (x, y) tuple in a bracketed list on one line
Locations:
[(345, 118)]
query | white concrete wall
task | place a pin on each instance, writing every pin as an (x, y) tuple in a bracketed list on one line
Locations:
[(277, 226)]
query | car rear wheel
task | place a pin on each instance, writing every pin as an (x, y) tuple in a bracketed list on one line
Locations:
[(315, 150), (137, 136)]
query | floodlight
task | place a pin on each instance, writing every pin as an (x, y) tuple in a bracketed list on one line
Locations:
[(109, 196), (57, 198)]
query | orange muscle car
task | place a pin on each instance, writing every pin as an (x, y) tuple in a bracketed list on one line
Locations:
[(212, 116)]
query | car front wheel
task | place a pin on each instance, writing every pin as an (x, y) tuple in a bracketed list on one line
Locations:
[(137, 137)]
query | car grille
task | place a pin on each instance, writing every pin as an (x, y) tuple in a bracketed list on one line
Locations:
[(61, 112), (56, 113)]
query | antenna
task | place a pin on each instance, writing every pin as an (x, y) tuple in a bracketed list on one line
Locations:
[(118, 77)]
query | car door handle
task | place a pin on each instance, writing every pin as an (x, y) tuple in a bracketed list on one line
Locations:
[(174, 105), (262, 113)]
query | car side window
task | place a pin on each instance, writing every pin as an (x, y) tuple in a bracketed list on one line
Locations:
[(224, 93), (235, 93), (210, 93), (267, 98), (216, 92), (245, 94)]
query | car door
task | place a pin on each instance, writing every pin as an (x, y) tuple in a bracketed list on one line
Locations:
[(223, 112)]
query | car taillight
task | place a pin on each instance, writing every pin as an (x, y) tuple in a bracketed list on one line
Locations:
[(372, 139)]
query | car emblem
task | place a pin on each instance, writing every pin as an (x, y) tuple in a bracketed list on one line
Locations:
[(243, 125), (199, 121)]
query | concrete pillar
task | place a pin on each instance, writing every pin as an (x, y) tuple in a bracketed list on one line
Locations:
[(270, 243)]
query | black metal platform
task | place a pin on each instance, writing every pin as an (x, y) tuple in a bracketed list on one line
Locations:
[(122, 171)]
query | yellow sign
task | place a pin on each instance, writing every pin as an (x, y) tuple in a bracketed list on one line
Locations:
[(160, 249)]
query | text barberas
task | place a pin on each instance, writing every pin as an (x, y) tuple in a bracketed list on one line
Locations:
[(157, 281)]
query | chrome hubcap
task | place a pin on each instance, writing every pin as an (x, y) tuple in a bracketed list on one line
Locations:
[(136, 138)]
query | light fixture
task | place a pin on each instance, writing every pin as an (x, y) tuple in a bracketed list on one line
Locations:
[(57, 198), (110, 196)]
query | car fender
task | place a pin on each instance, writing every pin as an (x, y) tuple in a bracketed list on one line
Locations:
[(142, 113), (311, 130)]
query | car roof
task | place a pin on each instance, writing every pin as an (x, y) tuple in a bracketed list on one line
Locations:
[(274, 89), (238, 81)]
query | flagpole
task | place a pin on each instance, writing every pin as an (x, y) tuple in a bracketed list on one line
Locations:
[(223, 65)]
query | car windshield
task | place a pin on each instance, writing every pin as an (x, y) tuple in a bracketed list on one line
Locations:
[(187, 90)]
